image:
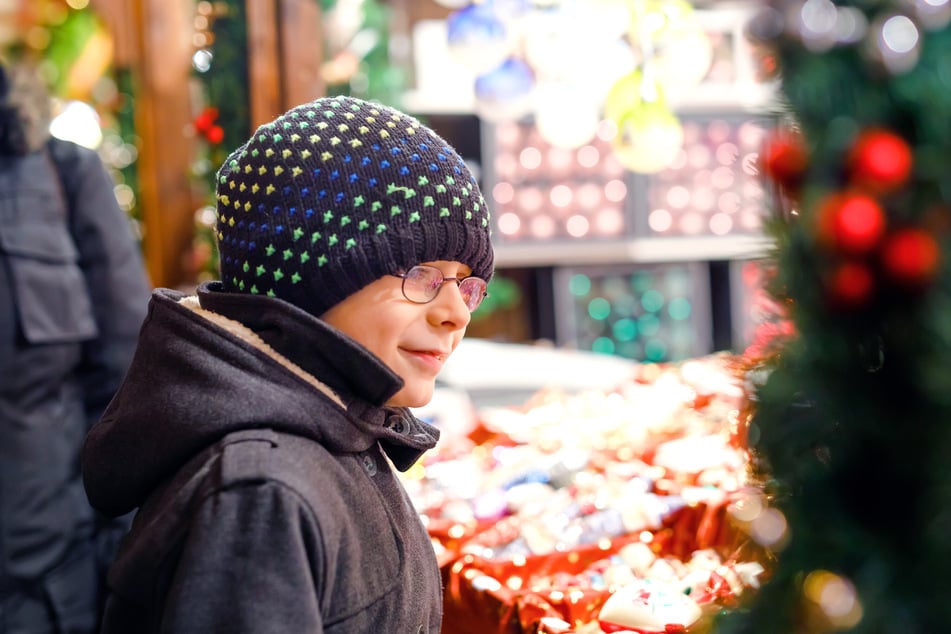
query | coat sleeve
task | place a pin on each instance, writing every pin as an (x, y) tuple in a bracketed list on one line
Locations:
[(112, 265), (250, 565)]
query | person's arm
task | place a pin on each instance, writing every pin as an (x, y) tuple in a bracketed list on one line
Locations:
[(112, 265), (249, 565)]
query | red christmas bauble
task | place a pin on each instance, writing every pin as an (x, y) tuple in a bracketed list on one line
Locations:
[(850, 285), (880, 160), (785, 158), (215, 134), (204, 121), (851, 223), (910, 257)]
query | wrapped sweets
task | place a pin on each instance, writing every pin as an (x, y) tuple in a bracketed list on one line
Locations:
[(648, 607)]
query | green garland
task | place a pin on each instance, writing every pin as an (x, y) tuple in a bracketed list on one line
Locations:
[(851, 430)]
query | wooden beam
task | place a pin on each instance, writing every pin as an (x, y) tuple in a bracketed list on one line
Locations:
[(163, 114), (119, 17), (301, 51), (264, 61)]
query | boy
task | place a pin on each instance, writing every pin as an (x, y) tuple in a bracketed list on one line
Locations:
[(258, 422)]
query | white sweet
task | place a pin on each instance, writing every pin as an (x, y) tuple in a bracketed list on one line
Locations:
[(648, 607)]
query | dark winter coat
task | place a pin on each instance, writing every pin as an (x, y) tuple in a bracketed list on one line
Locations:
[(256, 441), (73, 292)]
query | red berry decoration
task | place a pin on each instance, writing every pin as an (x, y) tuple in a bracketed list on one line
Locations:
[(851, 223), (206, 120), (850, 285), (880, 160), (785, 158), (215, 134), (910, 257)]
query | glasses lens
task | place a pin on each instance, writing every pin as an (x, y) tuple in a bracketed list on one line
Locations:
[(422, 283), (473, 291)]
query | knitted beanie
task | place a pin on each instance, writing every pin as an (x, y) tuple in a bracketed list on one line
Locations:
[(336, 193)]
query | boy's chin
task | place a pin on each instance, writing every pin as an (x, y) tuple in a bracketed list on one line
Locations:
[(418, 397)]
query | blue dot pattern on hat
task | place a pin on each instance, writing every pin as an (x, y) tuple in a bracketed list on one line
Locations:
[(338, 192)]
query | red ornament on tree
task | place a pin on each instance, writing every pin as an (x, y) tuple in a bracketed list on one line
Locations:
[(851, 223), (785, 158), (880, 161), (206, 119), (910, 257), (215, 134), (850, 285)]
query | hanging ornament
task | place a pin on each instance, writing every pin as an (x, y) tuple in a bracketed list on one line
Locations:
[(505, 93), (649, 138), (785, 158), (566, 117), (766, 26), (667, 35), (548, 43), (910, 258), (478, 38), (850, 223), (625, 91), (849, 285), (880, 161)]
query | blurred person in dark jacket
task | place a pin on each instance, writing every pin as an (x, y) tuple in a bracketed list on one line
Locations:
[(73, 293)]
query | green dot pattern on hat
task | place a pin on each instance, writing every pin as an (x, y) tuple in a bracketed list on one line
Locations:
[(338, 192)]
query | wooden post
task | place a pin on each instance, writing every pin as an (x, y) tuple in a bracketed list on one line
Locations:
[(302, 54), (264, 61), (154, 39), (284, 55), (163, 116)]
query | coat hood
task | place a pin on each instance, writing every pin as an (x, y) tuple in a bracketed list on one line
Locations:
[(25, 109), (198, 375)]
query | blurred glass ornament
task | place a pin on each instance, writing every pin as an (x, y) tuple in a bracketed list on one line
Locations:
[(549, 43), (851, 25), (625, 91), (478, 38), (507, 10), (569, 43), (566, 117), (816, 24), (670, 42), (683, 58), (894, 43), (602, 65), (932, 15), (911, 258), (766, 26), (654, 20), (649, 137), (505, 93), (610, 16), (78, 122)]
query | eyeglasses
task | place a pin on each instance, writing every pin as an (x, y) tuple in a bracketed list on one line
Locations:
[(422, 283)]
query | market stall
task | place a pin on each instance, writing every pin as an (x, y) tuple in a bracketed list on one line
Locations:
[(596, 509)]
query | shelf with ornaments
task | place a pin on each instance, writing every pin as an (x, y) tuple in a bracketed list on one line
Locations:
[(555, 205)]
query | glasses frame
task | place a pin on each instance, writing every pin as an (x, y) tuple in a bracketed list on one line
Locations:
[(444, 279)]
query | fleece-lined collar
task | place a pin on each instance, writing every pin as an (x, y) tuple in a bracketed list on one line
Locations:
[(199, 375)]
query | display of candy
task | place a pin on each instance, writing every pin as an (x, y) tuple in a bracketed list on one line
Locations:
[(582, 512)]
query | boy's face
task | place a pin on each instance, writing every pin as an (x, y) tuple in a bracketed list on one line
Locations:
[(414, 340)]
